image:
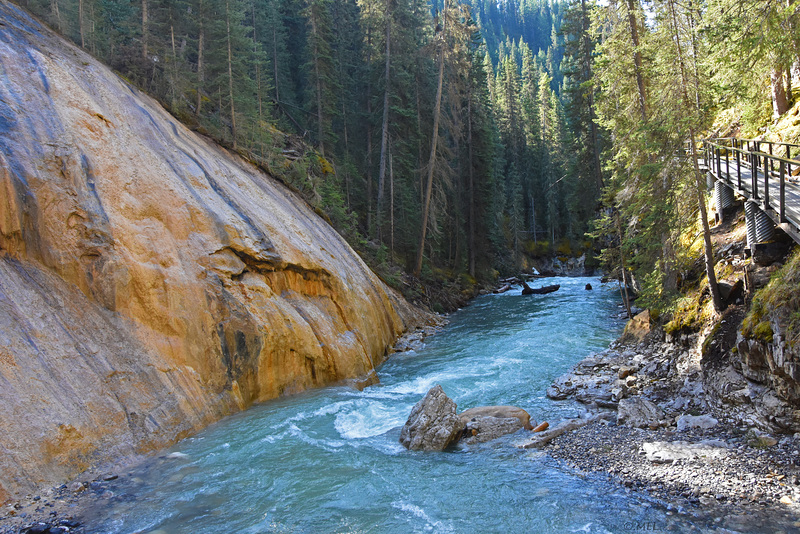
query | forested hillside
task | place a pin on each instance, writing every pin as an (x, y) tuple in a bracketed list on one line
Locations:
[(438, 144), (457, 138)]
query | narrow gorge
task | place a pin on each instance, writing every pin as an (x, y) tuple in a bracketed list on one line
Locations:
[(151, 282)]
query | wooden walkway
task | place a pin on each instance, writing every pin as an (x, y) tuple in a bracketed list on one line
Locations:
[(760, 176)]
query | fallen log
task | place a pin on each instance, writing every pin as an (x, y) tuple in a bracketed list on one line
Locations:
[(502, 289), (541, 439), (528, 290)]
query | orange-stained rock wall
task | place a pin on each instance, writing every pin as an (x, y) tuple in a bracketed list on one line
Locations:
[(150, 281)]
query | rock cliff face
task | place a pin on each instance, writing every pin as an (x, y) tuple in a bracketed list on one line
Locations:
[(150, 281)]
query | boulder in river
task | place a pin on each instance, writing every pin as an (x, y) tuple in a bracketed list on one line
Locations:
[(528, 290), (486, 423), (498, 412), (433, 423), (486, 428)]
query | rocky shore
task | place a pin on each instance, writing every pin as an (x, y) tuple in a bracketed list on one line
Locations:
[(658, 429), (58, 510)]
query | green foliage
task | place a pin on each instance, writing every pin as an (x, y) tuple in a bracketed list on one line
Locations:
[(777, 302), (508, 169), (689, 315)]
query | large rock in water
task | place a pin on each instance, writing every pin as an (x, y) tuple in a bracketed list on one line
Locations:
[(501, 412), (487, 428), (433, 423), (150, 281)]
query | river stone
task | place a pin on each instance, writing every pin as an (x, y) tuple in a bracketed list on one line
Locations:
[(705, 422), (666, 452), (433, 423), (639, 413), (487, 428)]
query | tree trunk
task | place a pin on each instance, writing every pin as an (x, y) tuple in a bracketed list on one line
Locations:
[(56, 14), (145, 29), (200, 65), (391, 205), (594, 136), (471, 178), (258, 71), (369, 134), (385, 124), (80, 23), (432, 160), (174, 68), (275, 64), (230, 72), (698, 177), (707, 245), (780, 104), (637, 60), (623, 269), (318, 80)]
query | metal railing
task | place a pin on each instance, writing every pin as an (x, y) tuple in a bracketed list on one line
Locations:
[(762, 160)]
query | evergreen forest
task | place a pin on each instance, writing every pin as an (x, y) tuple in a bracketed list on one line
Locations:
[(456, 141)]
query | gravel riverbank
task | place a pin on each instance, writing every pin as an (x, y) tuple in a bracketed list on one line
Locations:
[(663, 435)]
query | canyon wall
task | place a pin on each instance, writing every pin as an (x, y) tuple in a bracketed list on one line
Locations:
[(150, 281)]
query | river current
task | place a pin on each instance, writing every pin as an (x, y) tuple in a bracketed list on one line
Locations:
[(329, 460)]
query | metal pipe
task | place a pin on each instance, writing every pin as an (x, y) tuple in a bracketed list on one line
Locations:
[(723, 198), (765, 229), (750, 222)]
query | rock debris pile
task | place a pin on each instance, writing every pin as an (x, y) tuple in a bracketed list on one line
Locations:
[(672, 439)]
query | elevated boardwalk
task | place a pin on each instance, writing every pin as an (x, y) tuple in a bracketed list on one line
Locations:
[(755, 170)]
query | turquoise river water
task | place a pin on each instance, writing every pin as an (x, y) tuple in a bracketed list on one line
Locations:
[(330, 461)]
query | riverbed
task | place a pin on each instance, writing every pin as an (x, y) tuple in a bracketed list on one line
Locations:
[(329, 460)]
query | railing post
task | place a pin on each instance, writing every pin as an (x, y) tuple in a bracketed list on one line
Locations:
[(782, 206), (770, 161), (739, 170), (719, 167), (767, 166), (754, 174), (728, 165)]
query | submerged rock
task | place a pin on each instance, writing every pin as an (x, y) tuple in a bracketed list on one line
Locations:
[(433, 423), (487, 428), (498, 412), (486, 423)]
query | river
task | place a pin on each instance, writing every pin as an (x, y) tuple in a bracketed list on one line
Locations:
[(329, 460)]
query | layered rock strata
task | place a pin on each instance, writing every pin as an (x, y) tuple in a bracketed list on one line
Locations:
[(150, 281)]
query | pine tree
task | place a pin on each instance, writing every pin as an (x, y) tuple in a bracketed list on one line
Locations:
[(323, 86), (585, 170)]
